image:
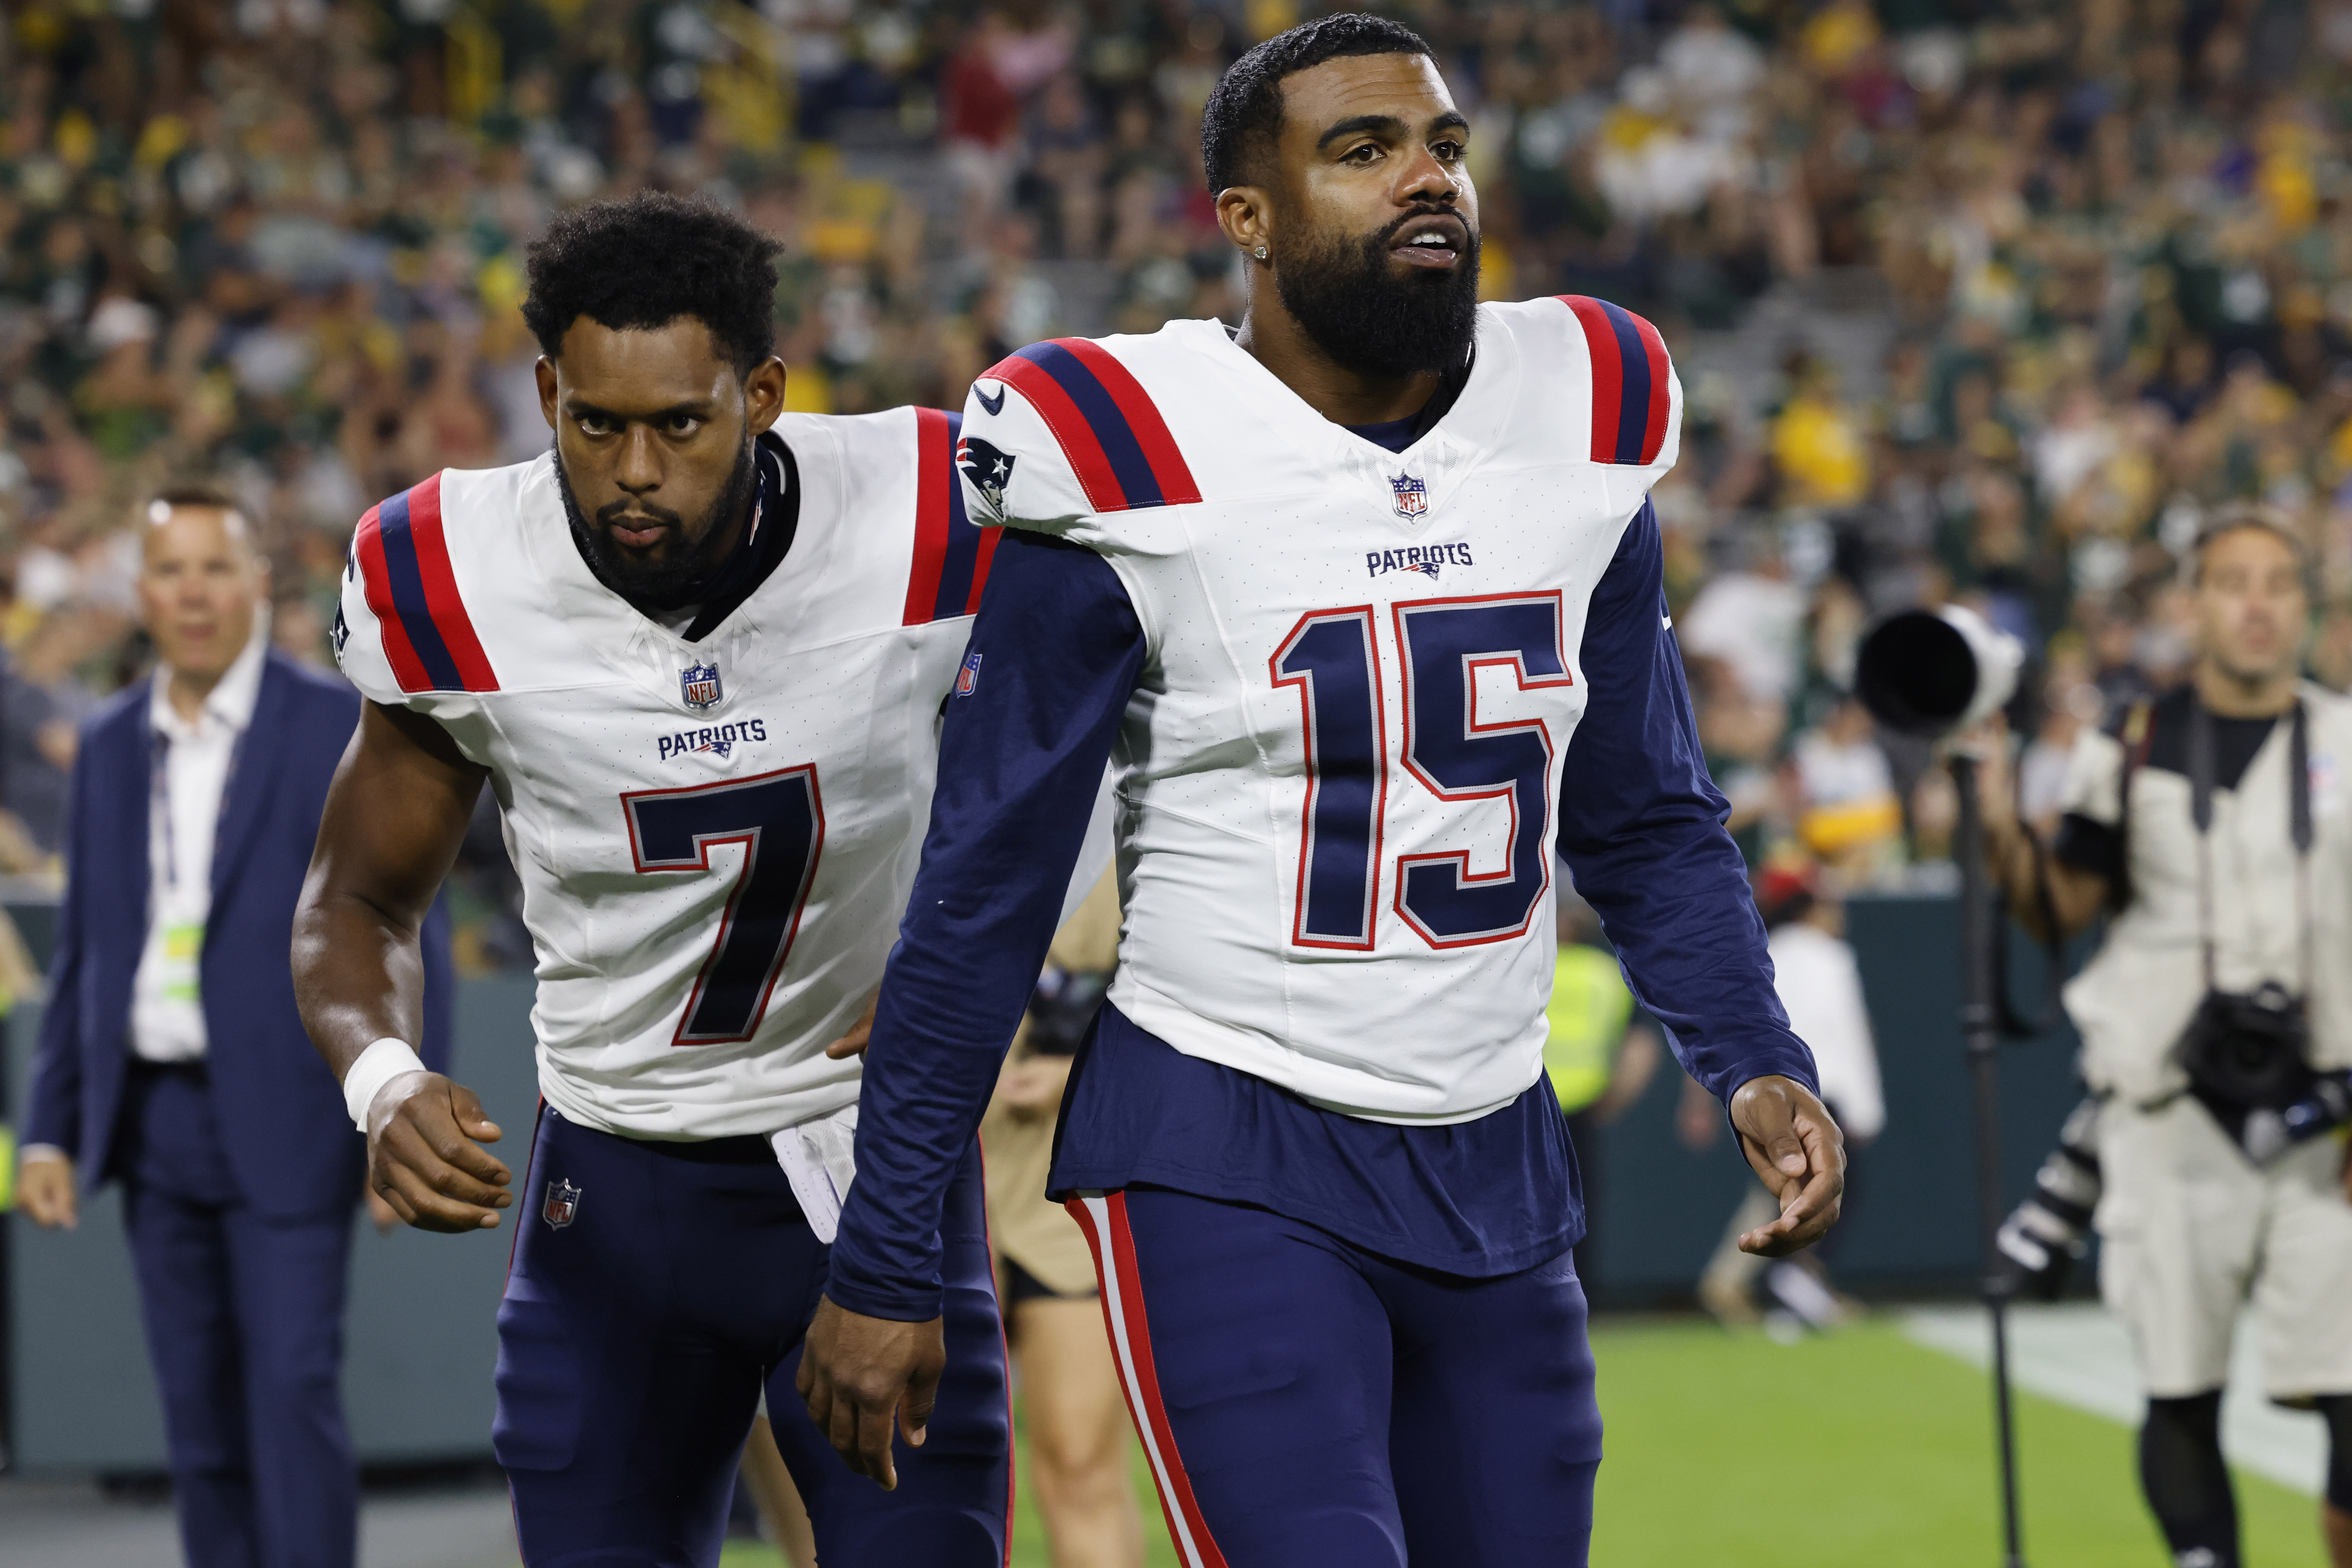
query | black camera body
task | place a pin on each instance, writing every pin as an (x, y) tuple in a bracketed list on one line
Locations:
[(2248, 1050)]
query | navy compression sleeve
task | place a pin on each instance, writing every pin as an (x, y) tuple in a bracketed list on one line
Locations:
[(1641, 826), (1020, 759)]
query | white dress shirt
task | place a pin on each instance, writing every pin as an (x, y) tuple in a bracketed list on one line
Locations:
[(193, 762)]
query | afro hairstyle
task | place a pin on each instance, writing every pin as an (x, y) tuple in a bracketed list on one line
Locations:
[(645, 260), (1243, 115)]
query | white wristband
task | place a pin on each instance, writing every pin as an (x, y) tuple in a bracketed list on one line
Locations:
[(378, 1065)]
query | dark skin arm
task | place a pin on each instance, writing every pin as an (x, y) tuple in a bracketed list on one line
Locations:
[(395, 816)]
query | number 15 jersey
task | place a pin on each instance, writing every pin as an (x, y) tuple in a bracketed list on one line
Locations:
[(1363, 676), (1355, 697), (715, 838)]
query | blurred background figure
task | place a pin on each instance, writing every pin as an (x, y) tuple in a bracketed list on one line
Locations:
[(1821, 985), (172, 1058), (1075, 1418), (1599, 1059)]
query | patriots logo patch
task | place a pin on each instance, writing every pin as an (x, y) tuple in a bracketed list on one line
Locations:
[(1412, 495), (698, 685), (988, 467), (1427, 559)]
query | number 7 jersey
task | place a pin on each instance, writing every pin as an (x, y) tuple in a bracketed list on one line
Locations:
[(1361, 672), (715, 838)]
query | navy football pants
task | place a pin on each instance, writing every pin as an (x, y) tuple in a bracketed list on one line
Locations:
[(633, 1339), (1305, 1404)]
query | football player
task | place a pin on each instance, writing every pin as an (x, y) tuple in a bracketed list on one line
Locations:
[(1365, 600), (698, 651)]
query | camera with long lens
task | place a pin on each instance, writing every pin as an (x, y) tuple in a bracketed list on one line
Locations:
[(1932, 672), (2044, 1237)]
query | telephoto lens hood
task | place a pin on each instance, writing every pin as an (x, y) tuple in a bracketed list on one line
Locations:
[(1931, 672)]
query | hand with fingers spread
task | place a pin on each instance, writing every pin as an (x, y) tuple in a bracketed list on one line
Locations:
[(425, 1158), (861, 1375), (1796, 1148)]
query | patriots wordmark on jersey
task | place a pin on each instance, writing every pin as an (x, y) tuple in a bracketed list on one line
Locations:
[(1362, 674), (716, 837)]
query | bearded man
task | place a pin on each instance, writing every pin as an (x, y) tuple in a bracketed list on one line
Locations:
[(1363, 601)]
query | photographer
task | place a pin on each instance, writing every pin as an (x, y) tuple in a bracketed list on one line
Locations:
[(2210, 825)]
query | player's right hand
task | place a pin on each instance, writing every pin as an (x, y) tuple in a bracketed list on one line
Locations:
[(45, 1190), (425, 1156), (859, 1375)]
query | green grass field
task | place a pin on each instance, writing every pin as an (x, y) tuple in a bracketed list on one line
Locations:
[(1858, 1450)]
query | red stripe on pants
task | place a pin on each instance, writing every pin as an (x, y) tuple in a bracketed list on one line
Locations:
[(1103, 1220)]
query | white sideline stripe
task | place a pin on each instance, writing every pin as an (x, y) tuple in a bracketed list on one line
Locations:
[(1115, 1299), (2078, 1354)]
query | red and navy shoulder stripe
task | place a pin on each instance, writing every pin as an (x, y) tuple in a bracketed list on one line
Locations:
[(1107, 425), (952, 552), (1629, 395), (404, 561)]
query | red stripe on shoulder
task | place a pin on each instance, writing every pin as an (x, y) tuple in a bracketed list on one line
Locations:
[(1608, 372), (1653, 432), (1177, 487), (375, 583), (441, 596), (986, 551), (1079, 446), (934, 472)]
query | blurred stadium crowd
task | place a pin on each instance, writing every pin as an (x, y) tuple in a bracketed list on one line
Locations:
[(2106, 246)]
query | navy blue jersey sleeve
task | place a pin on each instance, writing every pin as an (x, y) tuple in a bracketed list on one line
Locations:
[(1641, 826), (1053, 656)]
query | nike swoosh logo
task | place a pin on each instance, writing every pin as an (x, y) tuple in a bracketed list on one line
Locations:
[(995, 406)]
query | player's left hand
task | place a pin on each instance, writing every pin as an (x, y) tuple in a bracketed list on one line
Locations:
[(860, 1374), (853, 1044), (1792, 1144)]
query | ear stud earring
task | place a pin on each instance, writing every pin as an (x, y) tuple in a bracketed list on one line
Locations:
[(1259, 253)]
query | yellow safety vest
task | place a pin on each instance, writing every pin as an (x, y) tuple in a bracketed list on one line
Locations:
[(1589, 1012)]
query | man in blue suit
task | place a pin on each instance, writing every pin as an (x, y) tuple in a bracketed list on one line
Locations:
[(172, 1057)]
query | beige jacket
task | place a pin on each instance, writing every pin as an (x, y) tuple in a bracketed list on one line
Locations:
[(2136, 994)]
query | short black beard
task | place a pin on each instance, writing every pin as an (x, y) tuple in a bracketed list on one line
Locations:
[(683, 578), (1347, 296)]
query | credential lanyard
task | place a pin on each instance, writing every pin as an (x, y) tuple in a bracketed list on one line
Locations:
[(2200, 813)]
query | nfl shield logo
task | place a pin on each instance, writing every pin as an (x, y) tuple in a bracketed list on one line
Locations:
[(1412, 495), (968, 678), (699, 683), (562, 1204)]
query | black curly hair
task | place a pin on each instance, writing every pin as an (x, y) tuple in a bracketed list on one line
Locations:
[(1243, 115), (646, 260)]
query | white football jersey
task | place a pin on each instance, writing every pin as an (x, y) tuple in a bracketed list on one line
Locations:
[(1338, 777), (715, 838)]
